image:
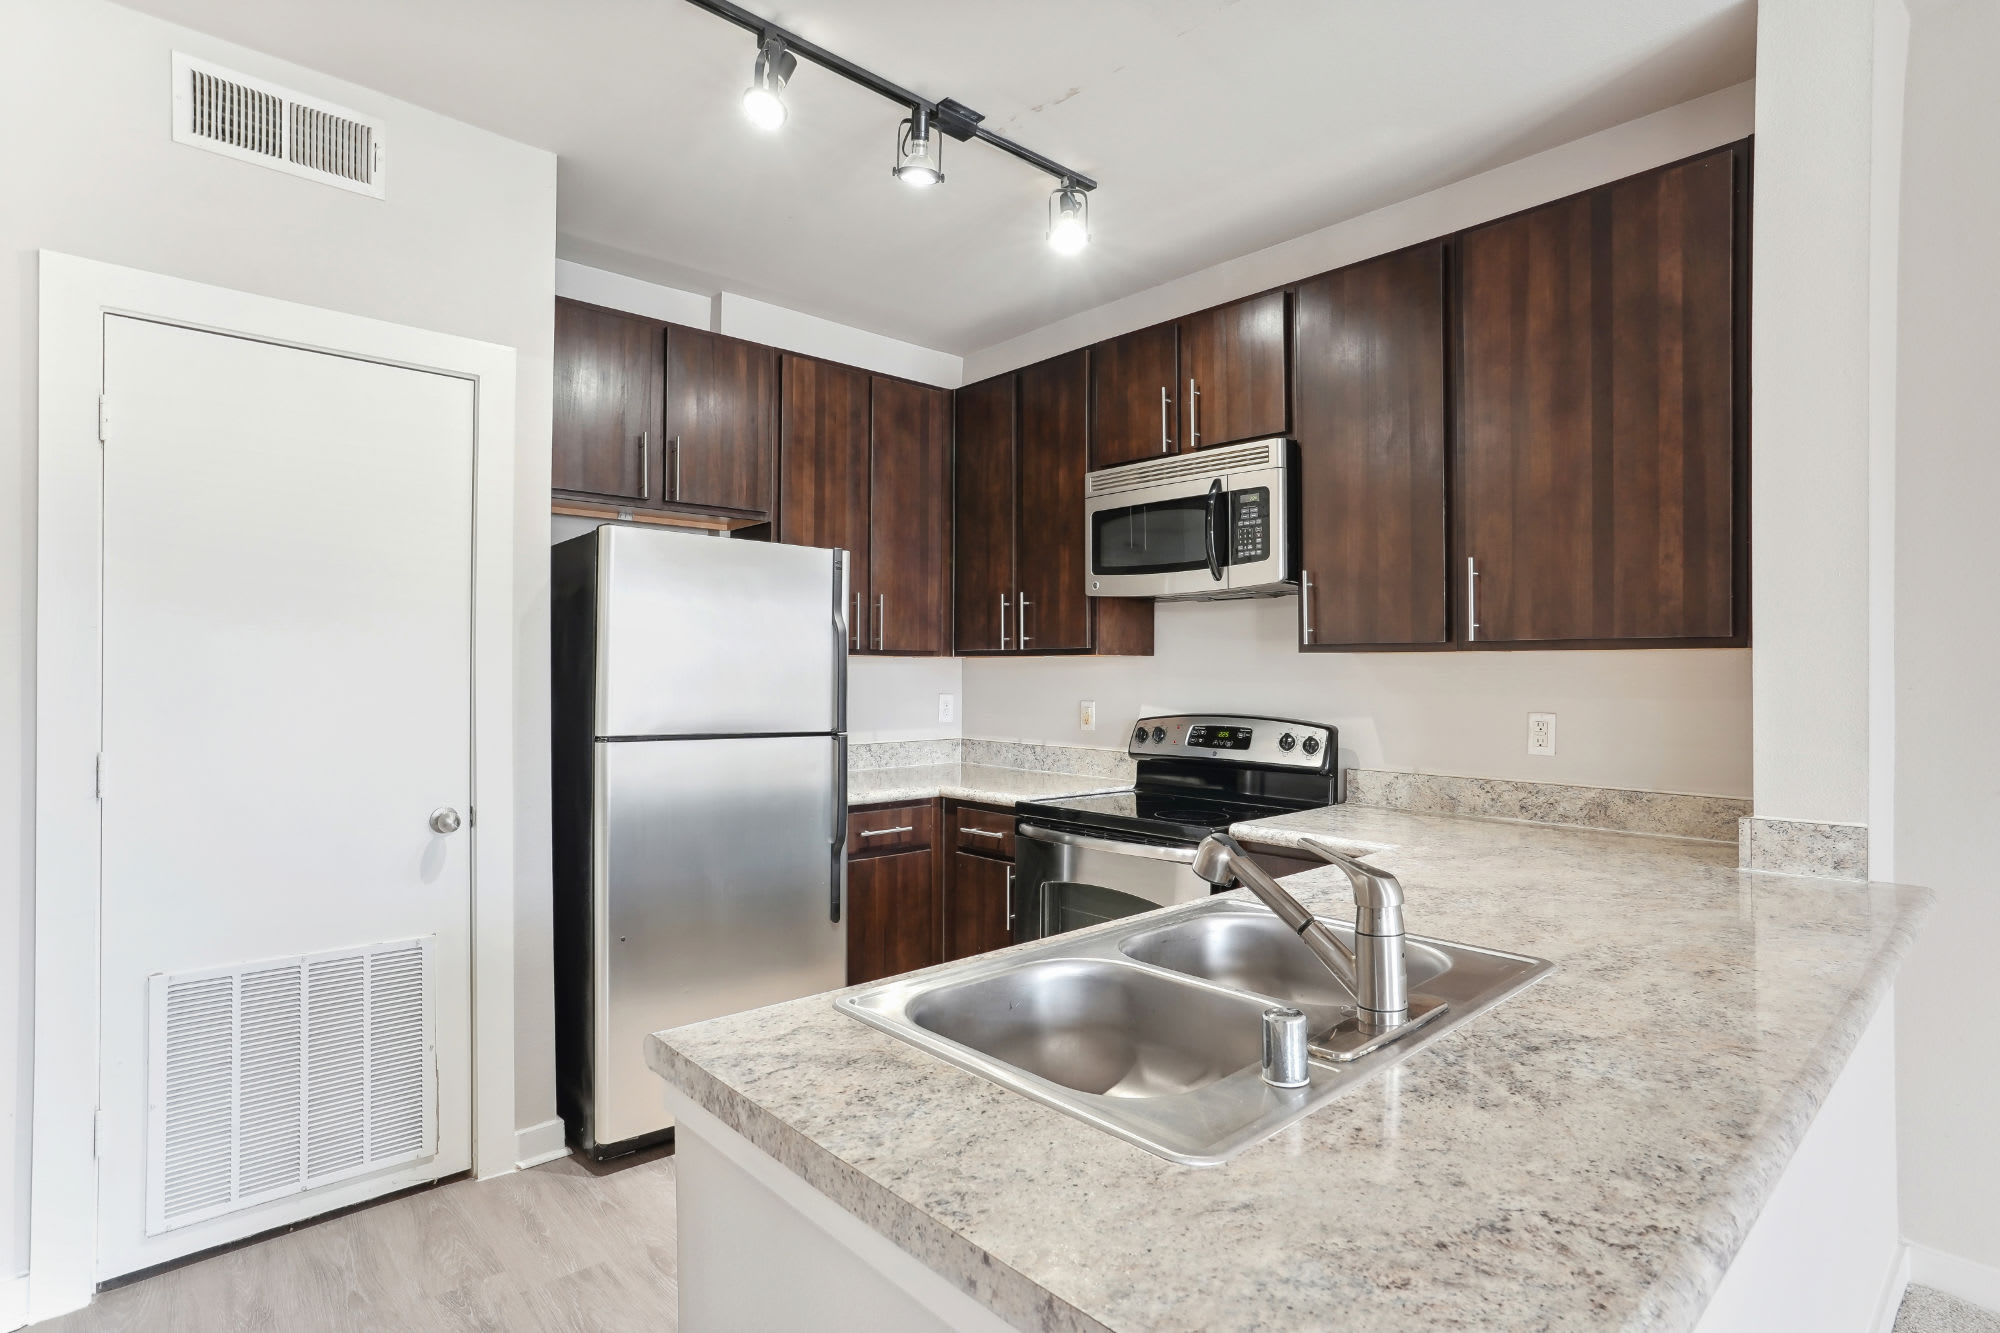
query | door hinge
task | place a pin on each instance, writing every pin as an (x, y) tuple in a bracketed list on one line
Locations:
[(103, 418), (98, 783)]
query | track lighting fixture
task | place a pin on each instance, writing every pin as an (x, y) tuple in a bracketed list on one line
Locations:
[(764, 99), (919, 150), (1069, 220), (919, 138)]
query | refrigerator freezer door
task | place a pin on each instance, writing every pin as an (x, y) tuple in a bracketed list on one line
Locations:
[(718, 863), (707, 636)]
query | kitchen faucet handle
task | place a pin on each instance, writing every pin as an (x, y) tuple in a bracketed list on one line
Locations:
[(1375, 889)]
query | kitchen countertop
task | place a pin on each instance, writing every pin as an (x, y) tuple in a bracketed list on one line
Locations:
[(968, 782), (1589, 1154)]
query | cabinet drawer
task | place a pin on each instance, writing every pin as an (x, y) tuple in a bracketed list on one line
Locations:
[(896, 828), (987, 832)]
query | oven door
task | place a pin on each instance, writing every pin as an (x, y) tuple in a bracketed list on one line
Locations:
[(1213, 534), (1065, 880)]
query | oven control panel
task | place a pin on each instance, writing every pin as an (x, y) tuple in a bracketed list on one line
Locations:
[(1266, 742)]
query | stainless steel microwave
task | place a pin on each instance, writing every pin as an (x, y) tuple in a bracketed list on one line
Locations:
[(1213, 524)]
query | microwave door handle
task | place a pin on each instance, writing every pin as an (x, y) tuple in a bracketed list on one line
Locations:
[(1213, 548)]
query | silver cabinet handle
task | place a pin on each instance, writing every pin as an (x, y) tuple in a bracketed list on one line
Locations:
[(1010, 898), (444, 819), (1471, 600), (1165, 447), (982, 833), (885, 832), (881, 622), (857, 622), (1194, 401), (676, 445), (645, 464), (1306, 605), (1003, 622), (1021, 615)]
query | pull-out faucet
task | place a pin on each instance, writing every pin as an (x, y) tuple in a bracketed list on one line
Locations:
[(1372, 971)]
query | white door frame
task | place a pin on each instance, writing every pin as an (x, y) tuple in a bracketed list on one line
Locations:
[(76, 296)]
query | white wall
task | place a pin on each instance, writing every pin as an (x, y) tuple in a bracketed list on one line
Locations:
[(1947, 754), (1662, 721), (463, 245), (1672, 721)]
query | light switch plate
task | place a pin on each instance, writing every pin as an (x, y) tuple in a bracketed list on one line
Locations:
[(947, 707), (1542, 733), (1086, 714)]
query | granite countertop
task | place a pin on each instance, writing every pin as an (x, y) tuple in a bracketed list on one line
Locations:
[(1589, 1154), (968, 782)]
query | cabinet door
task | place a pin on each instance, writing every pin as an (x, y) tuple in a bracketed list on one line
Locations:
[(1369, 372), (892, 916), (1049, 554), (607, 438), (721, 422), (1234, 356), (1597, 413), (978, 905), (909, 533), (1134, 396), (824, 457), (983, 517)]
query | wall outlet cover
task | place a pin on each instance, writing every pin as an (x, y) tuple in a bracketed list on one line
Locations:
[(1086, 714), (1542, 733), (947, 707)]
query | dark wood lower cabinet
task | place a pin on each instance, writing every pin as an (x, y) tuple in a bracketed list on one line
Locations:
[(892, 915), (978, 902)]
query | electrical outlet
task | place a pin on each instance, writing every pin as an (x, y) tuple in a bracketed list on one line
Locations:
[(1541, 733), (947, 707), (1086, 714)]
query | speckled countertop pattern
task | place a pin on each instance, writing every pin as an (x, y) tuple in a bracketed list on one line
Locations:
[(968, 782), (1588, 1155)]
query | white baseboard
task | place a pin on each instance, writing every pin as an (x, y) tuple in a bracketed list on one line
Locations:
[(1966, 1279), (539, 1143), (13, 1303)]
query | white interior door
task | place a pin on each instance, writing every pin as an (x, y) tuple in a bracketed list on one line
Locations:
[(285, 952)]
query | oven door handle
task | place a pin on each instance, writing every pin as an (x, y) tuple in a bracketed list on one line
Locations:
[(1117, 846), (1216, 497)]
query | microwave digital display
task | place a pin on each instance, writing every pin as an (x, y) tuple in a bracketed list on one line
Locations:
[(1219, 738)]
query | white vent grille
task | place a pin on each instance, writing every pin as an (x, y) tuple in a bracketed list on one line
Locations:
[(284, 1075), (254, 121), (1201, 463)]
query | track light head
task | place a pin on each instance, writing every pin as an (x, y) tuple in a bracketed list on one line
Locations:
[(919, 150), (1069, 220), (764, 99)]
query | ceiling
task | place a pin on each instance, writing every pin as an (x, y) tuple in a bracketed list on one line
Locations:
[(1215, 127)]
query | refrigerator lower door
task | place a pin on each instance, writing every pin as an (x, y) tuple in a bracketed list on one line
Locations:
[(718, 866)]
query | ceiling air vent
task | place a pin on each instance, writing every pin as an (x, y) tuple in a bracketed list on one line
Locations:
[(254, 121)]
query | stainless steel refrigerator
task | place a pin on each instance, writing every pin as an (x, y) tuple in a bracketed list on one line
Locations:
[(700, 784)]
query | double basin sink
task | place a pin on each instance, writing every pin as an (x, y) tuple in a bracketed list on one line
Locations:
[(1155, 1034)]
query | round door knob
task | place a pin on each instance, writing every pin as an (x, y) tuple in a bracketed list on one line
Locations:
[(444, 819)]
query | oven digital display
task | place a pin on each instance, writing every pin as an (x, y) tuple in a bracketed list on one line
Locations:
[(1219, 738)]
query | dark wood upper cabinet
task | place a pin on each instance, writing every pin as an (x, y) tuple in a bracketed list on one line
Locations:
[(1600, 431), (1232, 372), (1135, 396), (607, 438), (909, 526), (721, 422), (1053, 612), (1369, 380), (823, 497), (984, 498)]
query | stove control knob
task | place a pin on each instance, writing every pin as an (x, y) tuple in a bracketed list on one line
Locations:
[(1287, 741), (1138, 736), (1159, 734), (1311, 745)]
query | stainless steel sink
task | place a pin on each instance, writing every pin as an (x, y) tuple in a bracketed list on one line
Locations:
[(1152, 1032)]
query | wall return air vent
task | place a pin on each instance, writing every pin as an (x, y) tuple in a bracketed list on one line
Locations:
[(254, 121)]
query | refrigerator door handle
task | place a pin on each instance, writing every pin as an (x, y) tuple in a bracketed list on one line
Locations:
[(839, 827), (840, 641)]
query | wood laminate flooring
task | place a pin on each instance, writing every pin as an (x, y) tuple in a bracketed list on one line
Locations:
[(568, 1247)]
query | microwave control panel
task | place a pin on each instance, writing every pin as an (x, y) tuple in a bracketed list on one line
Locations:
[(1249, 525)]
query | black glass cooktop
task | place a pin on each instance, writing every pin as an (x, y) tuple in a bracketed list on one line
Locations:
[(1171, 815)]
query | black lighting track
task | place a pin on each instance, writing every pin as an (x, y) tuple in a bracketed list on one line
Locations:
[(954, 118)]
